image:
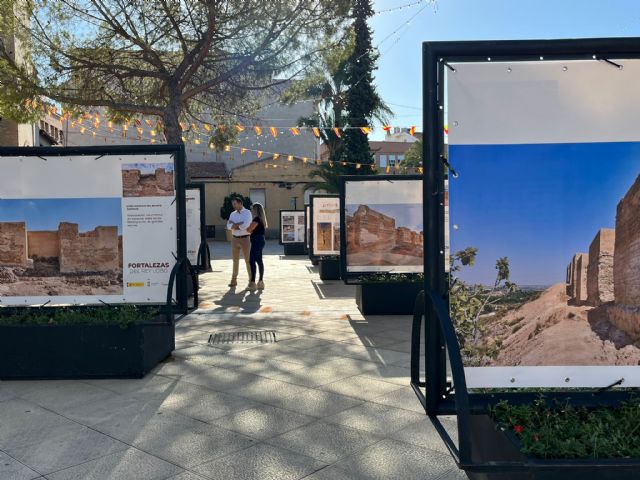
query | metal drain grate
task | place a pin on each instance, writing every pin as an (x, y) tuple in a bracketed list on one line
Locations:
[(258, 336)]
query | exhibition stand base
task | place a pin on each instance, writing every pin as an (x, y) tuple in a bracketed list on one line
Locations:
[(83, 351), (330, 269), (294, 249), (387, 298)]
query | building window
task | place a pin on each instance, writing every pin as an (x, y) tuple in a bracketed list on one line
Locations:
[(383, 160), (392, 160), (400, 158), (258, 195)]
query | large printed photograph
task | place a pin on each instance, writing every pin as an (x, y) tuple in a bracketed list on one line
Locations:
[(326, 225), (147, 180), (292, 227), (545, 254), (384, 226), (60, 247)]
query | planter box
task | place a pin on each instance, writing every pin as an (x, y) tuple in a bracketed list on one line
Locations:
[(387, 298), (294, 249), (492, 445), (83, 351), (329, 269), (314, 261)]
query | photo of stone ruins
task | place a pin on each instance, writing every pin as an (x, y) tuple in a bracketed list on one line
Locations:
[(593, 319), (137, 183), (374, 239), (59, 262)]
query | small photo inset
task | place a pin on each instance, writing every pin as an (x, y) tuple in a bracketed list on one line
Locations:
[(287, 219), (323, 243), (300, 219), (147, 180), (288, 237)]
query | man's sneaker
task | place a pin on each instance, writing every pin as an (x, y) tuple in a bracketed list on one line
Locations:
[(252, 286), (261, 285)]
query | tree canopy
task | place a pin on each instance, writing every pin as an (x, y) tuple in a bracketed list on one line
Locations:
[(180, 61)]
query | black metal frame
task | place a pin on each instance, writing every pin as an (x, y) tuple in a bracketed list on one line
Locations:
[(280, 227), (442, 398), (203, 259), (351, 278), (313, 254), (307, 209), (178, 154)]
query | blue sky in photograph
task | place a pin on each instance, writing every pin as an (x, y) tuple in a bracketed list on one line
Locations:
[(399, 76), (536, 204), (146, 168), (409, 216), (47, 214)]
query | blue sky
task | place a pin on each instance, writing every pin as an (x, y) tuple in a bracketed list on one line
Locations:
[(399, 77), (536, 204), (46, 214), (409, 216)]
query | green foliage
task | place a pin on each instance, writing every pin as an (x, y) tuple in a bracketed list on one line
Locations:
[(227, 208), (123, 316), (190, 61), (413, 156), (392, 278), (560, 430), (470, 305)]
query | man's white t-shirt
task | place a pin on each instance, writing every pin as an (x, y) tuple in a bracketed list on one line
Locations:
[(244, 218)]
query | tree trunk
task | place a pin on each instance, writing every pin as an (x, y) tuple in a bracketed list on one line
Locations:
[(172, 130)]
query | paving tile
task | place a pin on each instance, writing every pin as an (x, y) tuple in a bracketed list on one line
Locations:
[(263, 422), (209, 406), (317, 403), (394, 460), (24, 423), (53, 453), (313, 376), (390, 373), (260, 462), (404, 398), (5, 393), (325, 441), (143, 387), (330, 472), (423, 434), (350, 365), (128, 464), (221, 379), (187, 476), (52, 393), (360, 387), (375, 418), (11, 469), (107, 407), (266, 390), (178, 367)]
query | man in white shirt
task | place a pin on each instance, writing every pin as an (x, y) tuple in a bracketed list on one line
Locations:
[(239, 221)]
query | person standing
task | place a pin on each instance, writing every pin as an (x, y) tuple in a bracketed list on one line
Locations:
[(239, 221), (257, 229)]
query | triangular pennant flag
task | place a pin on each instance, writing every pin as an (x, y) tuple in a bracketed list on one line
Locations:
[(274, 131), (227, 148), (388, 169), (316, 132), (305, 159), (386, 128), (295, 131), (138, 122), (259, 153), (147, 121), (258, 130), (240, 128), (194, 126), (276, 156), (290, 158), (337, 132), (365, 130), (243, 151), (207, 127), (183, 127), (412, 130)]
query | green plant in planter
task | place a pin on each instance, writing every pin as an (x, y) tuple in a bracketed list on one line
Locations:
[(227, 208), (123, 316), (563, 431), (392, 278)]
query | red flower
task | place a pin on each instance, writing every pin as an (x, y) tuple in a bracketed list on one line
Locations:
[(518, 428)]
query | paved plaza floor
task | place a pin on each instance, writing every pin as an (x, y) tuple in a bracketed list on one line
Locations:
[(330, 399)]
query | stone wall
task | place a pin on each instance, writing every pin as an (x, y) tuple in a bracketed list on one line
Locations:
[(600, 271), (13, 244), (43, 244), (582, 264), (625, 314), (135, 184), (370, 228), (94, 251)]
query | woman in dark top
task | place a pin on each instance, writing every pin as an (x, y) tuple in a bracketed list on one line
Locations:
[(256, 229)]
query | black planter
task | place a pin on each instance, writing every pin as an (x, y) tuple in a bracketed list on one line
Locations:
[(330, 268), (314, 261), (294, 249), (490, 445), (387, 298), (83, 351)]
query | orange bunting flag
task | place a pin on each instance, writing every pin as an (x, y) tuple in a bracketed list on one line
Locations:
[(184, 139), (388, 170), (337, 132), (446, 129), (182, 126), (276, 156), (258, 130), (138, 122), (259, 153), (290, 158), (139, 129), (365, 130), (153, 133), (240, 128), (243, 151), (147, 121), (386, 128), (153, 140), (194, 126), (316, 132), (197, 141), (125, 127), (305, 159), (221, 128), (412, 130), (82, 130), (207, 127), (274, 131), (295, 131), (420, 170)]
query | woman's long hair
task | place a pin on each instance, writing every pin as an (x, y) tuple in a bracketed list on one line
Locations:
[(259, 212)]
